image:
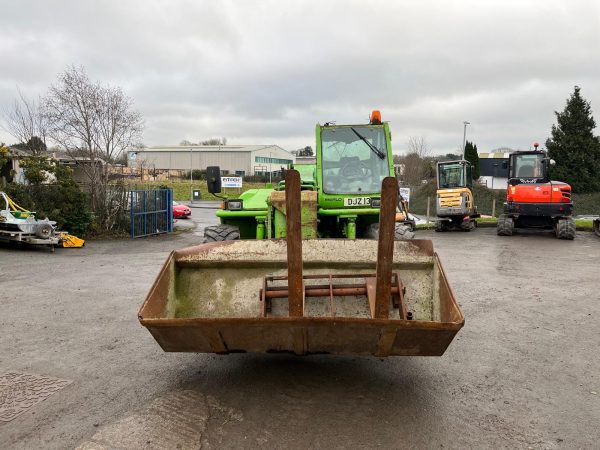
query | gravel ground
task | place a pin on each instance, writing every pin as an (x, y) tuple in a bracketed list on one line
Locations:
[(524, 372)]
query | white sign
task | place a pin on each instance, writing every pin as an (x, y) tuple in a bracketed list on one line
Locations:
[(231, 182), (357, 201), (132, 156), (405, 193)]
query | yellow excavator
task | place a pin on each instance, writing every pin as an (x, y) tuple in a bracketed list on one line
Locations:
[(455, 205)]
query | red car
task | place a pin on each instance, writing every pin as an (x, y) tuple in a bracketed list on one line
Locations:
[(181, 211)]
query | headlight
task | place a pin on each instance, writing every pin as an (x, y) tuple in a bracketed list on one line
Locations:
[(376, 202), (234, 205)]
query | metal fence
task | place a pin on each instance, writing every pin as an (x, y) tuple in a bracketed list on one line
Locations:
[(151, 212)]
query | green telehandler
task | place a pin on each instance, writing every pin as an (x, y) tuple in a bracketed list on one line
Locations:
[(340, 194)]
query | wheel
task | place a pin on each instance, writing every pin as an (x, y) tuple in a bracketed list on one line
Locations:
[(402, 232), (440, 226), (597, 227), (221, 233), (505, 226), (467, 225), (565, 229), (44, 230)]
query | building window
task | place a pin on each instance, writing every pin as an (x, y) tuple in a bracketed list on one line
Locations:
[(240, 173), (263, 159)]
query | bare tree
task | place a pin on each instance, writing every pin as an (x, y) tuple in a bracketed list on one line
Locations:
[(214, 141), (418, 145), (416, 162), (119, 126), (25, 122), (97, 123)]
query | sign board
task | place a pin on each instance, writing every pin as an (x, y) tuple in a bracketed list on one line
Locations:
[(405, 193), (231, 182), (132, 156)]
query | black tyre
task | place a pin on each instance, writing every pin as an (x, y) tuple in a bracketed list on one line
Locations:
[(402, 232), (440, 226), (565, 229), (44, 230), (221, 233), (597, 227), (467, 226), (505, 226)]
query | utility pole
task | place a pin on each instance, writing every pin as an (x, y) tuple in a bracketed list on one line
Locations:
[(465, 123), (191, 171), (270, 168)]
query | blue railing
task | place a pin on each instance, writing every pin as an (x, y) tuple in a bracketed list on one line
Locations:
[(151, 212)]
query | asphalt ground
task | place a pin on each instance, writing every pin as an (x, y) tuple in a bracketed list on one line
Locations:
[(524, 372)]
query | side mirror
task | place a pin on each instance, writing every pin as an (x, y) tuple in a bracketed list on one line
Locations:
[(213, 179), (505, 165)]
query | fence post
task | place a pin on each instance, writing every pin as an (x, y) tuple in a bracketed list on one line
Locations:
[(428, 201), (494, 207)]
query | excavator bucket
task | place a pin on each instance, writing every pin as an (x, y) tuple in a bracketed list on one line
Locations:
[(319, 296)]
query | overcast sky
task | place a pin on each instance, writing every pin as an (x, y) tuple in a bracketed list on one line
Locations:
[(264, 72)]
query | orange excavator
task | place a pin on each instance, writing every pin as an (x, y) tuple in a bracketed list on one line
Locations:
[(532, 199)]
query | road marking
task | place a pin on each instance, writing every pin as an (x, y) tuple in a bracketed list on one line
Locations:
[(21, 391)]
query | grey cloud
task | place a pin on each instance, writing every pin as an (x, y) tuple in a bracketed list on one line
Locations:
[(267, 71)]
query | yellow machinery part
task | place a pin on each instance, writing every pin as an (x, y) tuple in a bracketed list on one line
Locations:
[(449, 198), (70, 241)]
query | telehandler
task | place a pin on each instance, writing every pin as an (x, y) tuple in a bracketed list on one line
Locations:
[(341, 193)]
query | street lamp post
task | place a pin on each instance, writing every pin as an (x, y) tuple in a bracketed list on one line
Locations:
[(270, 167), (465, 123), (191, 172)]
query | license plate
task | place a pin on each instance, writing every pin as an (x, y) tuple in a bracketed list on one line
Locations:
[(357, 201)]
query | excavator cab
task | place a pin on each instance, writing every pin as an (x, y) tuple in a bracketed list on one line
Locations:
[(528, 165)]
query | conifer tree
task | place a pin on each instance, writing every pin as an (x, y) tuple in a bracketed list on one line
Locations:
[(574, 147), (472, 156)]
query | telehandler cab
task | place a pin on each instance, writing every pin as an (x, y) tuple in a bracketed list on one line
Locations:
[(341, 193), (455, 204), (532, 199)]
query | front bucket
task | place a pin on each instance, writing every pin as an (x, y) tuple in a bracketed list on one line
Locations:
[(229, 297)]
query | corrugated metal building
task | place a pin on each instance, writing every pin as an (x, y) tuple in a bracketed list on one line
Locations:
[(238, 160)]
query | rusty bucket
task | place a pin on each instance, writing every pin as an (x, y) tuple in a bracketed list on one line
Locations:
[(319, 296)]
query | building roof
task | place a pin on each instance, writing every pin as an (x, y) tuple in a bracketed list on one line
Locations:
[(495, 155), (209, 148)]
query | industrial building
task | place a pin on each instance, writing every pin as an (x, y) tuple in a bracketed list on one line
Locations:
[(240, 160), (492, 174)]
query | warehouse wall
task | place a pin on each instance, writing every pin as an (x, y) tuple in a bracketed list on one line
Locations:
[(228, 159)]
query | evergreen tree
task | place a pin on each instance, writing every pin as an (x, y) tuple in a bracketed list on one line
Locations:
[(574, 147), (472, 156)]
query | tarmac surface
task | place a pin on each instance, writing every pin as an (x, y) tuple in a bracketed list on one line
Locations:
[(524, 372)]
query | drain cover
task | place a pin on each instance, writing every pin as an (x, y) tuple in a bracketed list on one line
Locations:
[(20, 391)]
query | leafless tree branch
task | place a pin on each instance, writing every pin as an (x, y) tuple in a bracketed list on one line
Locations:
[(24, 121)]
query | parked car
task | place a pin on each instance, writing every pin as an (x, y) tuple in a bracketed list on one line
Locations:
[(181, 211)]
